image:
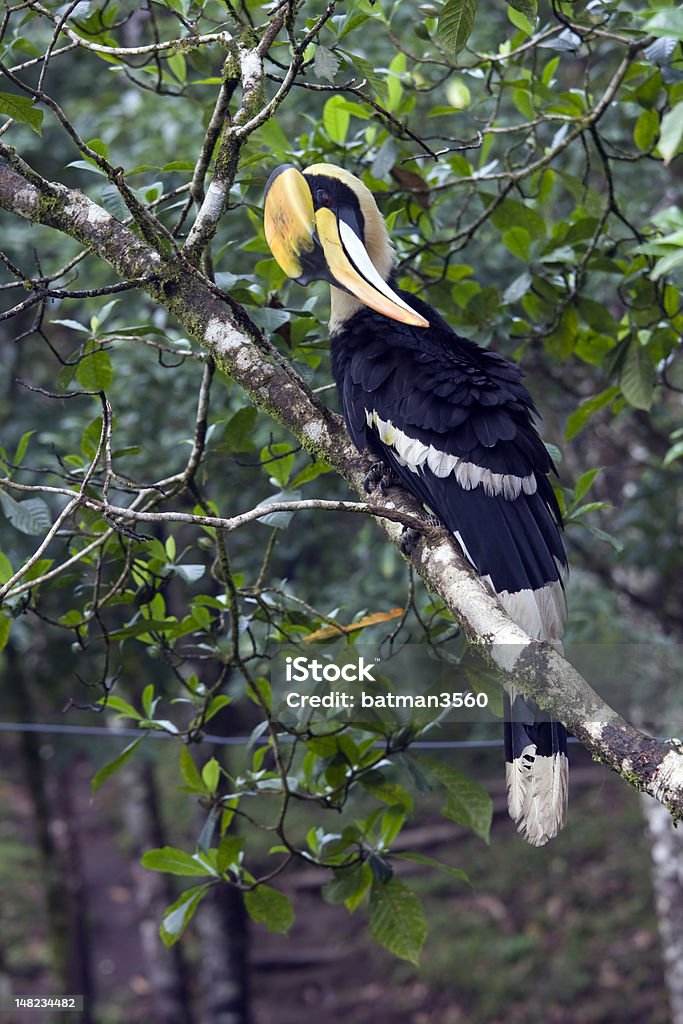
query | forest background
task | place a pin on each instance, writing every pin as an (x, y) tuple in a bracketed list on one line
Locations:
[(160, 378)]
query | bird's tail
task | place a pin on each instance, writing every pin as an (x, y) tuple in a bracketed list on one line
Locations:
[(537, 769)]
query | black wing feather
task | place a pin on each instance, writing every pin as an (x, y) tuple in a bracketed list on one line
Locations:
[(466, 401)]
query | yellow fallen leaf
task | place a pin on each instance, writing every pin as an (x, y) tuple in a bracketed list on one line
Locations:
[(368, 620)]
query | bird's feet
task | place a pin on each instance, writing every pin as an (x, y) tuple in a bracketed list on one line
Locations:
[(411, 535), (380, 476), (409, 540)]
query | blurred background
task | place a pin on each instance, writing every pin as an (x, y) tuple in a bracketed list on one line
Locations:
[(558, 266)]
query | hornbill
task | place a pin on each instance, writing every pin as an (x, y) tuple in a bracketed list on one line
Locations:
[(453, 422)]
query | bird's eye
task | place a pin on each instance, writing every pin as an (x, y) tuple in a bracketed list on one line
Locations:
[(323, 197)]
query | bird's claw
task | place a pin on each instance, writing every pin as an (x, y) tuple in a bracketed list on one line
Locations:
[(409, 540), (381, 477), (411, 535)]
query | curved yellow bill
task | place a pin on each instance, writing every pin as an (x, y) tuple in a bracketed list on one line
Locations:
[(289, 220), (360, 277)]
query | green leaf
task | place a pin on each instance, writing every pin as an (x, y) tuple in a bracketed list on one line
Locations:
[(336, 119), (467, 804), (268, 319), (178, 67), (310, 472), (94, 371), (143, 627), (458, 95), (270, 907), (278, 520), (584, 484), (522, 14), (215, 705), (190, 772), (174, 862), (592, 506), (73, 325), (118, 704), (388, 792), (392, 822), (277, 460), (103, 774), (671, 300), (671, 133), (190, 572), (325, 63), (646, 130), (205, 837), (430, 862), (5, 627), (637, 377), (529, 8), (148, 702), (274, 138), (178, 914), (229, 852), (580, 417), (514, 214), (259, 691), (31, 516), (112, 201), (517, 288), (6, 570), (517, 241), (667, 23), (90, 440), (667, 264), (21, 109), (455, 23), (367, 71), (21, 447), (211, 774), (98, 146), (397, 68), (397, 920), (674, 453), (237, 435), (349, 886)]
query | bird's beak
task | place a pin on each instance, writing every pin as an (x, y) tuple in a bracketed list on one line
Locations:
[(313, 245)]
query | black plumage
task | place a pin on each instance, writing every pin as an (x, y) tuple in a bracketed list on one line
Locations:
[(466, 401)]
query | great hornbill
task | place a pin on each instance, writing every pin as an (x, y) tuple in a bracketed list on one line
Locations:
[(453, 422)]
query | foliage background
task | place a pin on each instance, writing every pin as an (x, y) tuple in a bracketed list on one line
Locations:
[(511, 171)]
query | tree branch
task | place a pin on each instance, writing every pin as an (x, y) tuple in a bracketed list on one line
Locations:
[(175, 45), (241, 351)]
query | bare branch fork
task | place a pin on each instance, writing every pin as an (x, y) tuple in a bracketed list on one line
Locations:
[(241, 351)]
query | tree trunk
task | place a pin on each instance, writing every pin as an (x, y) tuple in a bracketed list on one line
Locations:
[(165, 969), (223, 929), (667, 878), (80, 976), (57, 845)]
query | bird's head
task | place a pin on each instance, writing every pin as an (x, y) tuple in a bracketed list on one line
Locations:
[(324, 225)]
